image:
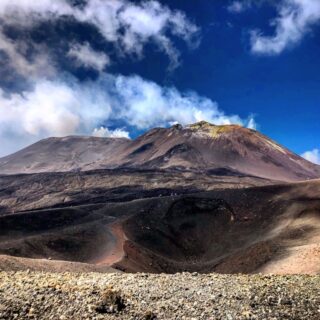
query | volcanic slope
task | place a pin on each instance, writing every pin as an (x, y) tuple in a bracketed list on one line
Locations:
[(27, 192), (267, 229), (72, 153), (228, 149), (272, 229)]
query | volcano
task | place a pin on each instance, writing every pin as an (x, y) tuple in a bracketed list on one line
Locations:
[(226, 149), (196, 198)]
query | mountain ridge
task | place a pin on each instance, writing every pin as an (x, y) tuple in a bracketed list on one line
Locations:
[(199, 146)]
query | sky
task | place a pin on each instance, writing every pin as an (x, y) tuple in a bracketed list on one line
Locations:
[(116, 68)]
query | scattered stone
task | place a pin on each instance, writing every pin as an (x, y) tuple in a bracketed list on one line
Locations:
[(185, 296)]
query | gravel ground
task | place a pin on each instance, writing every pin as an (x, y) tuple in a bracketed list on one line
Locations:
[(37, 295)]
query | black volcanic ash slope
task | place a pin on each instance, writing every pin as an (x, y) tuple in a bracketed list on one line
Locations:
[(267, 229)]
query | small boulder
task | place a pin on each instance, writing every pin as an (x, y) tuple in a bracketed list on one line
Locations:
[(149, 315), (111, 302)]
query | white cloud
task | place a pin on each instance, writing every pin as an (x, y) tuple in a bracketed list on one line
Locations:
[(53, 108), (144, 104), (312, 156), (104, 132), (59, 108), (87, 57), (128, 25), (252, 123), (294, 21), (152, 20), (239, 6), (40, 64)]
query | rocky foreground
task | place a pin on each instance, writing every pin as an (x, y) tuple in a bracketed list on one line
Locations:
[(37, 295)]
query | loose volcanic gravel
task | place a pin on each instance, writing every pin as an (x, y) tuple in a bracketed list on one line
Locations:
[(37, 295)]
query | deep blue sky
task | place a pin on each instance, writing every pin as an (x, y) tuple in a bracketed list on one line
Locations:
[(282, 91)]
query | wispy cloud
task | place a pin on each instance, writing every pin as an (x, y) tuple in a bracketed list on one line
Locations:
[(145, 104), (51, 109), (104, 132), (16, 52), (85, 56), (239, 6), (129, 26), (294, 21), (312, 156), (252, 124)]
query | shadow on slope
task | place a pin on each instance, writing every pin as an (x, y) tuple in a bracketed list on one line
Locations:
[(228, 231)]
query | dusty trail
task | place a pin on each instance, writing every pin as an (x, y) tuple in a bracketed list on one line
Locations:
[(115, 251)]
